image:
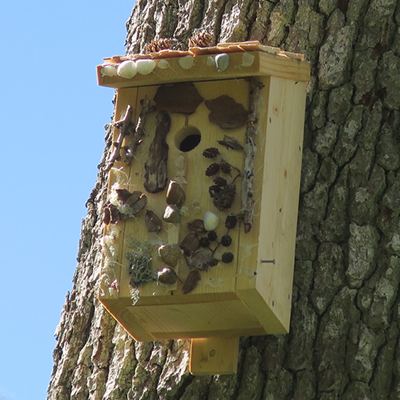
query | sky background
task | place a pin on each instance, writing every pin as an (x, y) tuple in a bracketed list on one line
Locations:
[(52, 137)]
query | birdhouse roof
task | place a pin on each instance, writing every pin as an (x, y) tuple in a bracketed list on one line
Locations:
[(223, 61)]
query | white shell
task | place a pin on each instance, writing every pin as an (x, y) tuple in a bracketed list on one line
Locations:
[(108, 70), (186, 62), (247, 59), (210, 221), (144, 67), (222, 61), (210, 61), (163, 64), (127, 69)]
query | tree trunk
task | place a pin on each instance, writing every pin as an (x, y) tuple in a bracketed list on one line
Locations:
[(343, 340)]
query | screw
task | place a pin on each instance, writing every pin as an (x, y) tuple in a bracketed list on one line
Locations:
[(268, 261)]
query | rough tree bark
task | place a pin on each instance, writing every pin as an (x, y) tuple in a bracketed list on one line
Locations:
[(344, 331)]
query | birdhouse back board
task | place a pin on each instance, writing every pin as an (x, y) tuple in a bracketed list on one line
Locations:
[(200, 217)]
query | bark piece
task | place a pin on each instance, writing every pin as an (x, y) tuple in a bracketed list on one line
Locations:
[(226, 113), (156, 166), (178, 98)]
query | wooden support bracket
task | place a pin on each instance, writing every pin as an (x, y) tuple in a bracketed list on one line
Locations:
[(214, 356)]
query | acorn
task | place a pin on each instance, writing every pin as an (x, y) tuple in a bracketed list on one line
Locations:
[(190, 243), (171, 214), (153, 221), (191, 281), (170, 254), (167, 276), (175, 194)]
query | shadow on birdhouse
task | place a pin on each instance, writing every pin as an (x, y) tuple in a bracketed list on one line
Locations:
[(201, 213)]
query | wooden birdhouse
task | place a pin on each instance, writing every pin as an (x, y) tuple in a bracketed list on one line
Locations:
[(201, 212)]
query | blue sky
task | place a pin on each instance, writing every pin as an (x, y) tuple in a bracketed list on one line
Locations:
[(52, 117)]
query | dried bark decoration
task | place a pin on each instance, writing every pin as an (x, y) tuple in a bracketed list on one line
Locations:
[(181, 98), (226, 113), (126, 127), (130, 150), (191, 281), (250, 149), (156, 166), (230, 143)]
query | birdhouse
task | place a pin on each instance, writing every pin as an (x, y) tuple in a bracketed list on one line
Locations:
[(201, 210)]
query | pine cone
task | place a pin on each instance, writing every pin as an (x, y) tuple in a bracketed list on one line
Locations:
[(159, 44), (211, 152), (219, 181), (225, 167), (201, 39), (225, 197), (212, 169)]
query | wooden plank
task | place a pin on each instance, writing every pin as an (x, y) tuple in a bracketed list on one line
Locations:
[(279, 65), (214, 356), (278, 214)]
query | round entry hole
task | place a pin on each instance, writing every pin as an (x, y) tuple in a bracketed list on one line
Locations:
[(187, 138)]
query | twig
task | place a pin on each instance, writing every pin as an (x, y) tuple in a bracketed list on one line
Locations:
[(250, 149)]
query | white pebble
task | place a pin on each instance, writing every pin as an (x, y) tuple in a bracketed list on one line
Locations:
[(108, 70), (144, 67), (210, 221), (186, 62), (127, 69), (247, 59), (163, 64)]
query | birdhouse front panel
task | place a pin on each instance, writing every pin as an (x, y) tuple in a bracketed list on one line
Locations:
[(200, 218)]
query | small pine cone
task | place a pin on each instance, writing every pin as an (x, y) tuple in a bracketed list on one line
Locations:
[(212, 169), (201, 39), (227, 257), (213, 190), (159, 44), (226, 240), (211, 152), (220, 182), (213, 262), (204, 242), (231, 221), (212, 235), (225, 167)]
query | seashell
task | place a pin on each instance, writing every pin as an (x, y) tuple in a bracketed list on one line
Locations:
[(167, 276), (140, 204), (152, 221), (171, 215), (108, 70), (127, 69), (191, 281), (247, 59), (211, 221), (186, 62), (163, 64), (170, 254), (196, 225), (200, 259), (145, 67), (210, 61), (221, 61), (190, 243), (175, 194)]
